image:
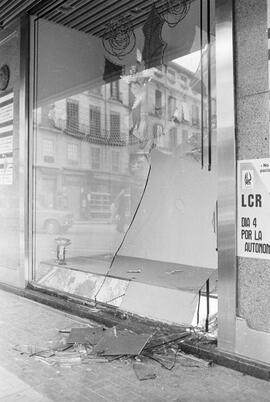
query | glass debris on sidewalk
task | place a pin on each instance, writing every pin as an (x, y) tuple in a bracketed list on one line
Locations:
[(86, 345)]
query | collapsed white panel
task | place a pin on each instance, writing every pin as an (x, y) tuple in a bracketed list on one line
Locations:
[(162, 304), (175, 220)]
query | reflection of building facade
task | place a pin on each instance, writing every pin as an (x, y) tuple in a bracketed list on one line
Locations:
[(86, 146), (173, 101), (83, 158)]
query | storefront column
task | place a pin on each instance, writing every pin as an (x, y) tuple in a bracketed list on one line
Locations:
[(252, 114), (226, 176)]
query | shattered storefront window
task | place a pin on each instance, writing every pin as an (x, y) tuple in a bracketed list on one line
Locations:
[(125, 162)]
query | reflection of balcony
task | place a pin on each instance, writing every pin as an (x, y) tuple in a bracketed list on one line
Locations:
[(90, 134)]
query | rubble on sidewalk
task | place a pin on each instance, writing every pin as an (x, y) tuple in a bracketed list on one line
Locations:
[(96, 344), (29, 349), (120, 343)]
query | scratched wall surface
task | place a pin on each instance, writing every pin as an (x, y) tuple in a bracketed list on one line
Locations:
[(252, 124)]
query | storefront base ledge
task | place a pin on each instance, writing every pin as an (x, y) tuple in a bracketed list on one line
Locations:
[(233, 361), (110, 317), (150, 301), (102, 314)]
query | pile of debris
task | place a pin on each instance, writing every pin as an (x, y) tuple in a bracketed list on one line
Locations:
[(84, 345)]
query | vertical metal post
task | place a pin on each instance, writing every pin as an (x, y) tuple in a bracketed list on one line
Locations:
[(202, 84), (33, 61), (23, 151), (207, 306), (209, 96), (226, 176), (198, 308)]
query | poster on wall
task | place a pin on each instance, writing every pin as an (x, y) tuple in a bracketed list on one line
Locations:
[(253, 229), (6, 138)]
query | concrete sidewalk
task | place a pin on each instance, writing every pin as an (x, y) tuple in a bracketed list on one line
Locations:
[(28, 379)]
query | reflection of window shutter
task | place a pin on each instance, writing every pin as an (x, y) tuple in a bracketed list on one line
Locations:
[(48, 150), (195, 115), (115, 126), (177, 116), (72, 153), (157, 130), (171, 106), (185, 112), (158, 102), (173, 138), (95, 121), (114, 88), (72, 115), (160, 136)]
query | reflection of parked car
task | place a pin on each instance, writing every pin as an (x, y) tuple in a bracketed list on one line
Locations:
[(53, 220), (46, 219)]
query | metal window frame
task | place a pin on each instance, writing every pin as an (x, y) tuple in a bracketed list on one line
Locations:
[(227, 267), (24, 107)]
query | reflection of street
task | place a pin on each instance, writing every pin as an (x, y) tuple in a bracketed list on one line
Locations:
[(87, 239)]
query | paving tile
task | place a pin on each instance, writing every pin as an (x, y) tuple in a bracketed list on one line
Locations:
[(14, 389), (25, 396), (10, 384)]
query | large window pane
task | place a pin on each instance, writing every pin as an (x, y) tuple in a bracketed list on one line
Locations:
[(128, 173)]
